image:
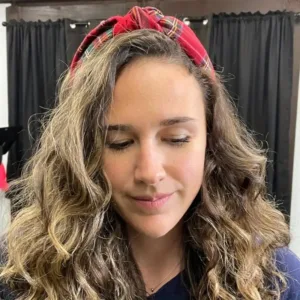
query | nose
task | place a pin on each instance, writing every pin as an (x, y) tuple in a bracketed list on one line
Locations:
[(149, 166)]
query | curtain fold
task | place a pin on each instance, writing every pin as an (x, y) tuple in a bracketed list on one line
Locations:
[(256, 52), (36, 53)]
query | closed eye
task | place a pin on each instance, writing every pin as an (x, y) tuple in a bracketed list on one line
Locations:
[(120, 146), (179, 142), (124, 145)]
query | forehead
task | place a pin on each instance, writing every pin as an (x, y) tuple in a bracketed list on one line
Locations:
[(149, 90)]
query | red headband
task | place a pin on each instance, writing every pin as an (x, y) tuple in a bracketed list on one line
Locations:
[(145, 18)]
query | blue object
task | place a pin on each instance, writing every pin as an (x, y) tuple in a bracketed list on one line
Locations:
[(287, 262)]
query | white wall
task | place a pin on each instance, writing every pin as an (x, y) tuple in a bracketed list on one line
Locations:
[(4, 203), (295, 205), (3, 73)]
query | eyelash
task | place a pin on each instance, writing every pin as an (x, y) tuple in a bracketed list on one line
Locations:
[(123, 146)]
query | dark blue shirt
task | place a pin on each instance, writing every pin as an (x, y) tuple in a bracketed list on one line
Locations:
[(287, 262)]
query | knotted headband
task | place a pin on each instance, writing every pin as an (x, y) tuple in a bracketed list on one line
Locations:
[(144, 18)]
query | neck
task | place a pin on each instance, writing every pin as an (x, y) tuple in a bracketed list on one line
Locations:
[(157, 257)]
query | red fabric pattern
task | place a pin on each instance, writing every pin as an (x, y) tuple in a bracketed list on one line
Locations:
[(144, 18)]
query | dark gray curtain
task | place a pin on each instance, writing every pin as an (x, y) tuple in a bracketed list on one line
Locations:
[(36, 59), (202, 28), (256, 52), (75, 33)]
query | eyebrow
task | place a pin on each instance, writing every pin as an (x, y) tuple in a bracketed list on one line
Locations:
[(163, 123)]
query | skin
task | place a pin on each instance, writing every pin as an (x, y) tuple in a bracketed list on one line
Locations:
[(147, 92)]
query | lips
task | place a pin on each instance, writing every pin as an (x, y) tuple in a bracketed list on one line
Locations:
[(154, 198)]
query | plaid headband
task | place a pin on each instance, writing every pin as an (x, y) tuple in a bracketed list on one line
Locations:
[(144, 18)]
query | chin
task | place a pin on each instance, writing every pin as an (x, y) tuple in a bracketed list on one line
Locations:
[(152, 228), (155, 234)]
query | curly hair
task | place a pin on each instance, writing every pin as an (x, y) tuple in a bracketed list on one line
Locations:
[(67, 241)]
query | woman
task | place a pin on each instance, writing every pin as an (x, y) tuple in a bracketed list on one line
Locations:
[(145, 184)]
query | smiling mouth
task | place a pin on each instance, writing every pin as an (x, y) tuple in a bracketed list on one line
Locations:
[(152, 203), (153, 198)]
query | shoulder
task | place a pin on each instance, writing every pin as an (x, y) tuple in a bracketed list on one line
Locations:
[(289, 263), (5, 292)]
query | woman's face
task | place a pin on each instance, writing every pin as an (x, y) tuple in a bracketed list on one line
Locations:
[(154, 157)]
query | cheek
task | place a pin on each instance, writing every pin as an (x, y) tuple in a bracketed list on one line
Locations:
[(116, 170), (190, 168)]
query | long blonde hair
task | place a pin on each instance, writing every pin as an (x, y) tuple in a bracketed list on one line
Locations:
[(67, 242)]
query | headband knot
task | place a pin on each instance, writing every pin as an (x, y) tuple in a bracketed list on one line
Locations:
[(144, 18)]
